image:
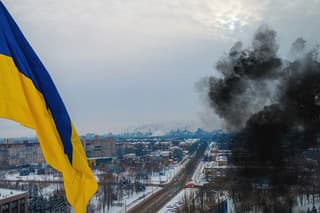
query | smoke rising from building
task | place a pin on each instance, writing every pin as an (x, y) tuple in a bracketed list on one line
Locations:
[(249, 77), (259, 88), (273, 107)]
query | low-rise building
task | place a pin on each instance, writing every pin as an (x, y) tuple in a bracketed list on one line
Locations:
[(20, 154), (99, 147), (13, 201)]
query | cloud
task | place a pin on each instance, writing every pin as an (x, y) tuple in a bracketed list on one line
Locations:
[(120, 62), (221, 18)]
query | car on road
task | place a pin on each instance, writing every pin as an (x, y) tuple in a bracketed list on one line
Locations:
[(190, 185)]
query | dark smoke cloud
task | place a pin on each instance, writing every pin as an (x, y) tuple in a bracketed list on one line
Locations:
[(256, 77), (273, 105), (248, 81)]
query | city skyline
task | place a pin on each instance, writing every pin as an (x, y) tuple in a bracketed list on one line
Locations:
[(121, 64)]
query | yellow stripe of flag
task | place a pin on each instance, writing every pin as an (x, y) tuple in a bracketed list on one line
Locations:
[(28, 96)]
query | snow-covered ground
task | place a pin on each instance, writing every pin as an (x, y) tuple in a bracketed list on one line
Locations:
[(48, 191), (126, 203), (178, 200), (301, 206), (198, 178), (138, 197), (12, 176), (169, 173), (32, 177), (45, 190), (304, 204)]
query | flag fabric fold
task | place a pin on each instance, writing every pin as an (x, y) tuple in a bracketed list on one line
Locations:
[(29, 97)]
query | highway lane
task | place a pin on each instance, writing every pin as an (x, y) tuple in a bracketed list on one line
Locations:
[(156, 201)]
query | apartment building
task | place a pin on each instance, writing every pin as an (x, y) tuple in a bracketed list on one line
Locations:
[(13, 201)]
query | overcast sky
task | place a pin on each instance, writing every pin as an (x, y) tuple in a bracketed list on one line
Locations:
[(123, 63)]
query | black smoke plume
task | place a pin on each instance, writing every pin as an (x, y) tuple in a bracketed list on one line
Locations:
[(273, 105), (248, 78)]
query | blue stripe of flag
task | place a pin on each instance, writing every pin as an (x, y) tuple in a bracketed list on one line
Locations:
[(15, 45)]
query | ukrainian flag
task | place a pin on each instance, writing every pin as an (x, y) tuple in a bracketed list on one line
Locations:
[(29, 96)]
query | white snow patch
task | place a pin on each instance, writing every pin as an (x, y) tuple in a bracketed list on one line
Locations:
[(178, 200), (127, 202)]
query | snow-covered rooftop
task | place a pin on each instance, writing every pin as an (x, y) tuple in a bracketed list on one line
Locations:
[(5, 193), (221, 158)]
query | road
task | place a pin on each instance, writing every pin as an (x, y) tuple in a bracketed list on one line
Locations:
[(156, 201)]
